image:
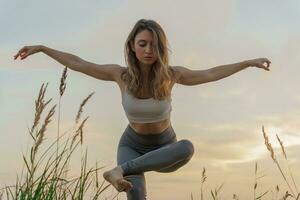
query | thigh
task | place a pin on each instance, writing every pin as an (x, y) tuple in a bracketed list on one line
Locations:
[(185, 149), (174, 167), (126, 153)]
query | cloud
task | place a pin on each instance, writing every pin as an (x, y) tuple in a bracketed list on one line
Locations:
[(91, 39), (223, 119), (241, 142)]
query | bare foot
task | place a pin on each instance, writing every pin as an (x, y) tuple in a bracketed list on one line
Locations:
[(115, 177)]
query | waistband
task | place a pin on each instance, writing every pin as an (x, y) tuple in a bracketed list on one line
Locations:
[(166, 136)]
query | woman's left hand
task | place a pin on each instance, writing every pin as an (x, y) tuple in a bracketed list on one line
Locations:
[(260, 63)]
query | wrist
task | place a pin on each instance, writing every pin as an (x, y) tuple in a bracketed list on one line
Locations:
[(246, 63)]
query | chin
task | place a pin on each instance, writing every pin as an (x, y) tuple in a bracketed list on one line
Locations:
[(149, 62)]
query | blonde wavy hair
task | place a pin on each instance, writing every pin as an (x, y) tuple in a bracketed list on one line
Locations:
[(161, 75)]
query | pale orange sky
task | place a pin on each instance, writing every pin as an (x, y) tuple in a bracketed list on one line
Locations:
[(223, 119)]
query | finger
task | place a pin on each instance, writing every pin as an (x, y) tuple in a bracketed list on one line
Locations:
[(17, 55), (268, 62), (265, 68), (262, 66), (23, 50), (22, 58), (20, 52), (23, 55)]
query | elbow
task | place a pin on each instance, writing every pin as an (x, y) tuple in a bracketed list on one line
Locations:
[(75, 65), (211, 76)]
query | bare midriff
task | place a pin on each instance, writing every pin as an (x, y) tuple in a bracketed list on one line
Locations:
[(151, 128)]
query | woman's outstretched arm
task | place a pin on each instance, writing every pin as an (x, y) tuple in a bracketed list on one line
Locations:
[(108, 72), (195, 77)]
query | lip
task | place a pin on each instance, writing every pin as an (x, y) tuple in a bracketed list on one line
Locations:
[(149, 57)]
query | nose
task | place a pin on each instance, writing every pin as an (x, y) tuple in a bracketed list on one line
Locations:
[(149, 49)]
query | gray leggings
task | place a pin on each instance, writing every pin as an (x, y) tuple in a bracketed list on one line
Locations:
[(157, 152)]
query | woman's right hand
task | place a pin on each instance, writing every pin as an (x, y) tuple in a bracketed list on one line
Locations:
[(28, 50)]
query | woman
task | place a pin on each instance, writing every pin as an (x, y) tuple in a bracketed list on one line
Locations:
[(149, 142)]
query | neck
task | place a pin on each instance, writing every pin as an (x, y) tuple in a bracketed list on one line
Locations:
[(145, 68)]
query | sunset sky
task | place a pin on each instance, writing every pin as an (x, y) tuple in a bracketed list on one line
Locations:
[(223, 119)]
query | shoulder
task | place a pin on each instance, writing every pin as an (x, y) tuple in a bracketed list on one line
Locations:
[(119, 71)]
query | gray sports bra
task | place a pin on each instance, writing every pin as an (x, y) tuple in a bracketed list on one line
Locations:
[(145, 110)]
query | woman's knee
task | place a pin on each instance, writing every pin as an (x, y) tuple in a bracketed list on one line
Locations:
[(188, 147)]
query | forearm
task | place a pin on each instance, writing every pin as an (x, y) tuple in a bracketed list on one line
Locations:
[(63, 58), (223, 71)]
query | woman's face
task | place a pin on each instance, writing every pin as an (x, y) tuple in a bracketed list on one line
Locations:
[(144, 48)]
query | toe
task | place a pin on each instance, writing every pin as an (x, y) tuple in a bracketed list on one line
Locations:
[(129, 186), (125, 185)]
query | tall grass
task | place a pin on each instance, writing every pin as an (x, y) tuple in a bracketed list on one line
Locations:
[(45, 176), (46, 173), (289, 194)]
